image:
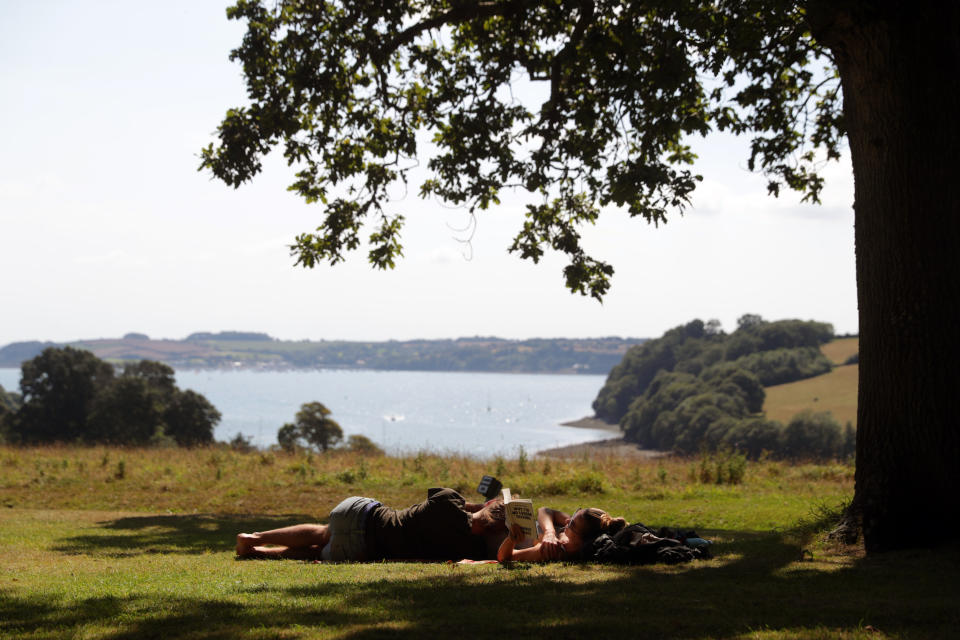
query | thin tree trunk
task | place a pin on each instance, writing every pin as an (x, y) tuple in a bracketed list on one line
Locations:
[(899, 65)]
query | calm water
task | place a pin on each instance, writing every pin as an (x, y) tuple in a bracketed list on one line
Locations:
[(479, 414)]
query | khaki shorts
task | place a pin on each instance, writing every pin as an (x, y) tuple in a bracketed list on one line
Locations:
[(347, 529)]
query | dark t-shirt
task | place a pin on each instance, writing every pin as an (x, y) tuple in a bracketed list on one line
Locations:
[(436, 529)]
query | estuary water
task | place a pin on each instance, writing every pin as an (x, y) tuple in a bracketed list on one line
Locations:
[(476, 414)]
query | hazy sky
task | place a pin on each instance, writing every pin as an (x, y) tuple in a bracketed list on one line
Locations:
[(106, 227)]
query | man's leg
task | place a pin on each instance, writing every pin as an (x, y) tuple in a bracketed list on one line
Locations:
[(295, 537)]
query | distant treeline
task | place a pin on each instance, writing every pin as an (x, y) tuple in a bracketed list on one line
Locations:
[(72, 396), (235, 349), (697, 387)]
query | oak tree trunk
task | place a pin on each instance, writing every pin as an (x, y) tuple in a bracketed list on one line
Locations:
[(899, 64)]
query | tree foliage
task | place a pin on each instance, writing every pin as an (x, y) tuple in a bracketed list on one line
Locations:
[(70, 395), (351, 90), (9, 401), (682, 392), (313, 426), (363, 445), (770, 352), (59, 387), (579, 103)]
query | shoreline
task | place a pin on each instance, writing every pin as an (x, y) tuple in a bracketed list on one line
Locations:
[(612, 447), (608, 447), (589, 422)]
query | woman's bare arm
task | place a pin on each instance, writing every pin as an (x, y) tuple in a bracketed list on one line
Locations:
[(549, 519), (508, 552)]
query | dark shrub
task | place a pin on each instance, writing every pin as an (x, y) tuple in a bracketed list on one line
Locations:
[(813, 435)]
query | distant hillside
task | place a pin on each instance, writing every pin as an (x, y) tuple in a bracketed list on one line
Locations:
[(249, 350), (835, 391)]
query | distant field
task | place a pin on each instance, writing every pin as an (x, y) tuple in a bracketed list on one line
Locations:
[(835, 391), (839, 350)]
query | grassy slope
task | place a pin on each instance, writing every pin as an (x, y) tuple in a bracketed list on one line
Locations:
[(90, 554), (839, 350), (835, 391)]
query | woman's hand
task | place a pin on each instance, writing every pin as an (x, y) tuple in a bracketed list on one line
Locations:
[(549, 546), (506, 550)]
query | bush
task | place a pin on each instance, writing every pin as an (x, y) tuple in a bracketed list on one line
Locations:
[(781, 366), (363, 445), (753, 437), (724, 467), (849, 449), (812, 435), (241, 443)]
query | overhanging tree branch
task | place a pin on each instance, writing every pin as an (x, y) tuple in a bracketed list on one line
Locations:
[(464, 12)]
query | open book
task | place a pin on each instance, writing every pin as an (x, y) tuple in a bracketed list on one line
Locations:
[(519, 511)]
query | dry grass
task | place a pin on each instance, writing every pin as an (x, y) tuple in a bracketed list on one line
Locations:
[(839, 350), (835, 392), (218, 480)]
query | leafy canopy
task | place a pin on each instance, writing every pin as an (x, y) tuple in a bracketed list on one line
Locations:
[(314, 425), (71, 395), (352, 90)]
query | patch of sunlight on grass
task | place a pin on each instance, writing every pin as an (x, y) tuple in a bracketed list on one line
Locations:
[(817, 633)]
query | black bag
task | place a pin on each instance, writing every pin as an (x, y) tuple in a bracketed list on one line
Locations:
[(629, 547)]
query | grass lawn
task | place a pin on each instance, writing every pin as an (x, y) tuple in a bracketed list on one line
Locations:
[(114, 560)]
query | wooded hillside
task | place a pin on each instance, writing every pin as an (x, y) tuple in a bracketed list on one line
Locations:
[(239, 350), (697, 387)]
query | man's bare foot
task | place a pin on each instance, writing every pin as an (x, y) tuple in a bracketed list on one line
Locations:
[(245, 543)]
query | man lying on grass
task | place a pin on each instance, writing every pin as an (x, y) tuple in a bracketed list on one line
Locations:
[(443, 527)]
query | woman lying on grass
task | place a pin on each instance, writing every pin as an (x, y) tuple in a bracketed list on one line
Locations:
[(561, 536), (443, 527)]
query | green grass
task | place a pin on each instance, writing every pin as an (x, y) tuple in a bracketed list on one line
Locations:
[(102, 570)]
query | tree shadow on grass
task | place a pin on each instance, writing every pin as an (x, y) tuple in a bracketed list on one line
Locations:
[(191, 534), (757, 582), (901, 594)]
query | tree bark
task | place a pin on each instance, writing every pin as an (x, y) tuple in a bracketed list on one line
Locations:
[(899, 65)]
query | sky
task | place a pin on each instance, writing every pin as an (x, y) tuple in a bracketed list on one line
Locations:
[(107, 227)]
